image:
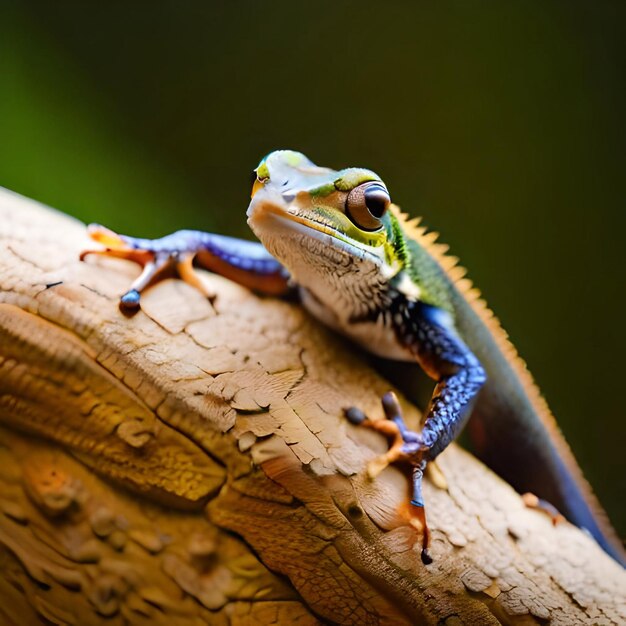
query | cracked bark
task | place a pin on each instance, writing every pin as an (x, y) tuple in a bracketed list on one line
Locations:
[(191, 465)]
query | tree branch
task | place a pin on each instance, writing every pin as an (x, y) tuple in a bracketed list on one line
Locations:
[(191, 465)]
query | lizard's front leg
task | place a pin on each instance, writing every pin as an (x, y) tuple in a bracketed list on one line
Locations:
[(245, 262), (430, 334)]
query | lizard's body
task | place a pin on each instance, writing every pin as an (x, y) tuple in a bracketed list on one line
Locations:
[(364, 269)]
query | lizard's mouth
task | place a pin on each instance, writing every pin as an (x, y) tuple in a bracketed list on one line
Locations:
[(270, 214), (262, 211)]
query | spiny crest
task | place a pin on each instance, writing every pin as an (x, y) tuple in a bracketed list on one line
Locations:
[(428, 239), (472, 296), (456, 273)]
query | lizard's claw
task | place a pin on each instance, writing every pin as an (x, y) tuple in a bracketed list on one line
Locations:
[(407, 446), (115, 246), (377, 465), (155, 259), (106, 237), (531, 501)]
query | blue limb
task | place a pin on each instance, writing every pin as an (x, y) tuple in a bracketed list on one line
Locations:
[(245, 262), (430, 334), (445, 357)]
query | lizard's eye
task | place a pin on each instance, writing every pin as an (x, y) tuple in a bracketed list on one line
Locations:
[(366, 204)]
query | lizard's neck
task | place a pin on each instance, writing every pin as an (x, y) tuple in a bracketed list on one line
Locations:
[(376, 324)]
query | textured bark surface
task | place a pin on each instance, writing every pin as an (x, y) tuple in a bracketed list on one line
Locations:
[(191, 465)]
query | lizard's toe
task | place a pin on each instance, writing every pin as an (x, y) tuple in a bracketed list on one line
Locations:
[(354, 415)]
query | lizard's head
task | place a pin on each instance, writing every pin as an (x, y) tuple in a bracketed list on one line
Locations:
[(333, 230)]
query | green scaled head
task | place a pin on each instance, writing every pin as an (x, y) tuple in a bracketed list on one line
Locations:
[(336, 231), (346, 209)]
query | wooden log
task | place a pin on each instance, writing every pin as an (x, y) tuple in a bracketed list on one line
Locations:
[(191, 465)]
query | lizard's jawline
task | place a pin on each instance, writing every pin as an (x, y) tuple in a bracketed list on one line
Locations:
[(377, 335), (258, 212)]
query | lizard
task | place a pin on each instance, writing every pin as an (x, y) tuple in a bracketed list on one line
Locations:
[(368, 271)]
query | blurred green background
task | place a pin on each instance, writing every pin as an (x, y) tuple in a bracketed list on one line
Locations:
[(501, 122)]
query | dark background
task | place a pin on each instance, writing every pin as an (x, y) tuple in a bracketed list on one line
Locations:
[(501, 122)]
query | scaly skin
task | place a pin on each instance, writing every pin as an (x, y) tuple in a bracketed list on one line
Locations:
[(362, 268)]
